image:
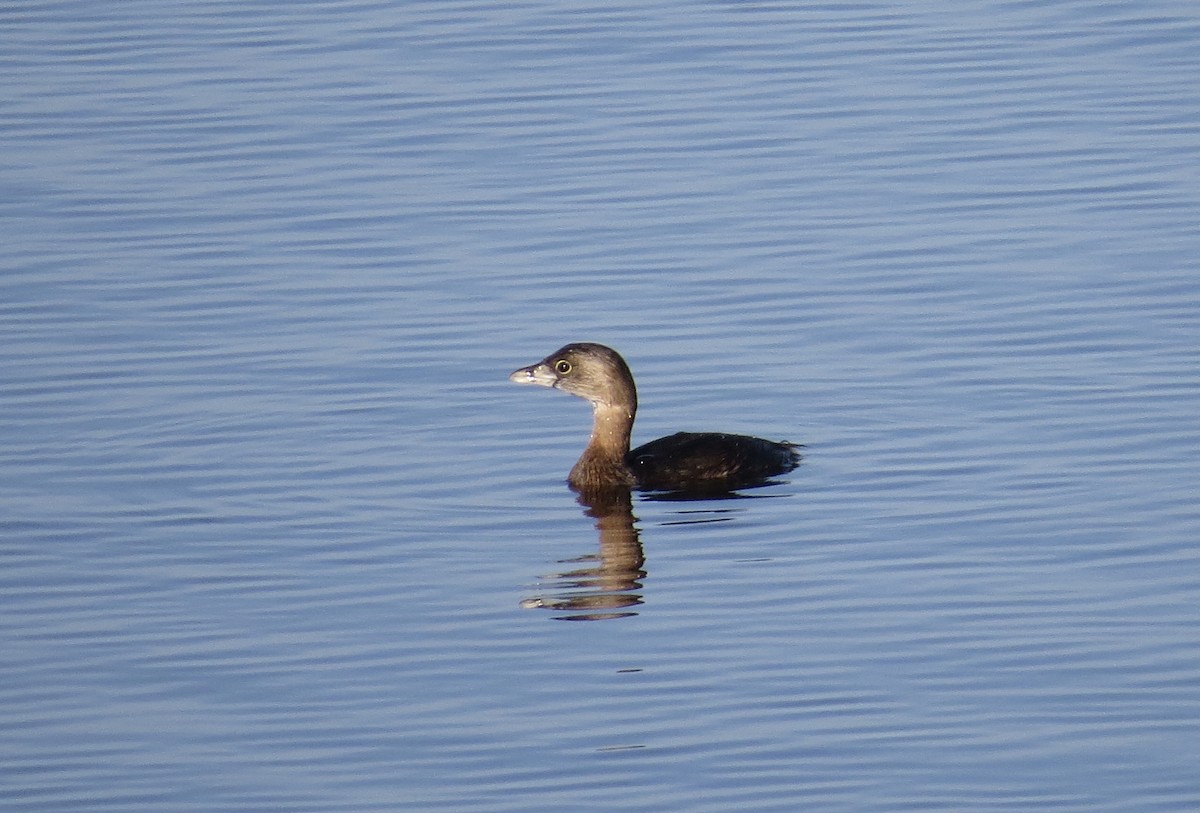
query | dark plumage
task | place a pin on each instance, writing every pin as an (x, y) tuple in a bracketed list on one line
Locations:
[(685, 461)]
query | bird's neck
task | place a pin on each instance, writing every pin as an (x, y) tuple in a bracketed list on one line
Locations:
[(611, 428), (602, 464)]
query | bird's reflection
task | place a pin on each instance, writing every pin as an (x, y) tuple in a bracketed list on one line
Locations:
[(608, 584)]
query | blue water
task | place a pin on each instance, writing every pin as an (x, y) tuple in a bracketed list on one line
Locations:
[(277, 533)]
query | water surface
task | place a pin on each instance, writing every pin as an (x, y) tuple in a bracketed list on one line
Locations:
[(279, 534)]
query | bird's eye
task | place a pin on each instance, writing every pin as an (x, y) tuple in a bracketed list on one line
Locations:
[(562, 366)]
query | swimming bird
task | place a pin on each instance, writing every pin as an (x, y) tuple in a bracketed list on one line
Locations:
[(684, 461)]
